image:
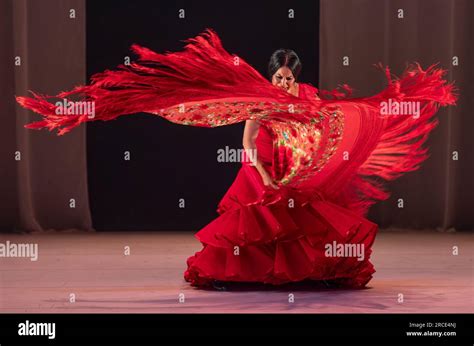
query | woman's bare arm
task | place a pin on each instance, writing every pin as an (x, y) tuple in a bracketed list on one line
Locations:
[(248, 142)]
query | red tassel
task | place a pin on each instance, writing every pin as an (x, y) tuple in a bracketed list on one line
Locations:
[(400, 148), (203, 71)]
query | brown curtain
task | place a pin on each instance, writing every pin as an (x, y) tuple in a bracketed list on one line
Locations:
[(43, 180), (396, 32)]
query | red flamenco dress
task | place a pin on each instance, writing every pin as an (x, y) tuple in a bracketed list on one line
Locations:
[(329, 156)]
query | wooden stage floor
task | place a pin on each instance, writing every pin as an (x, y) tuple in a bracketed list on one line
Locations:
[(92, 266)]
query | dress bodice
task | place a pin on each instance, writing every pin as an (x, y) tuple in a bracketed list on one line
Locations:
[(264, 141)]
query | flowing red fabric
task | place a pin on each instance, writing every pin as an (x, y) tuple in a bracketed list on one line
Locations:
[(329, 155)]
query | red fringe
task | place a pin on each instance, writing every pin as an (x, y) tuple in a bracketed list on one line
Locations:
[(203, 70), (400, 148)]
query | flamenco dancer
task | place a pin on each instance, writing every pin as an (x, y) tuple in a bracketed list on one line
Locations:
[(297, 212)]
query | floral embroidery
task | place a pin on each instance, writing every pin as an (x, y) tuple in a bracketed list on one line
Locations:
[(315, 143)]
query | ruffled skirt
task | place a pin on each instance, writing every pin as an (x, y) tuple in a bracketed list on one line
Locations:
[(280, 236)]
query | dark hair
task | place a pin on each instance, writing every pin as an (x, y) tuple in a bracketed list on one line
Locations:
[(284, 57)]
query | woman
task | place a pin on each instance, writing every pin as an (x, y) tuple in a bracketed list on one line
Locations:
[(297, 213), (283, 69), (282, 239)]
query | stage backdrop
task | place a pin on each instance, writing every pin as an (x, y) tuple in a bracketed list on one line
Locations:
[(47, 182), (441, 193), (43, 178)]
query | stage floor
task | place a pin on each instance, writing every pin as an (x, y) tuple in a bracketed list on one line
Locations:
[(92, 266)]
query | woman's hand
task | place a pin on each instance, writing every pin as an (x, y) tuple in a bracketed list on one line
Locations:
[(267, 179)]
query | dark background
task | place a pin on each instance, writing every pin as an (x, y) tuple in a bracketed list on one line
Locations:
[(170, 161)]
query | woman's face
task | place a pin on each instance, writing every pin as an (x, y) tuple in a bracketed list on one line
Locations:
[(283, 78)]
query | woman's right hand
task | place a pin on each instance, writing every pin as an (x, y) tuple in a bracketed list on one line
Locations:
[(267, 180)]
